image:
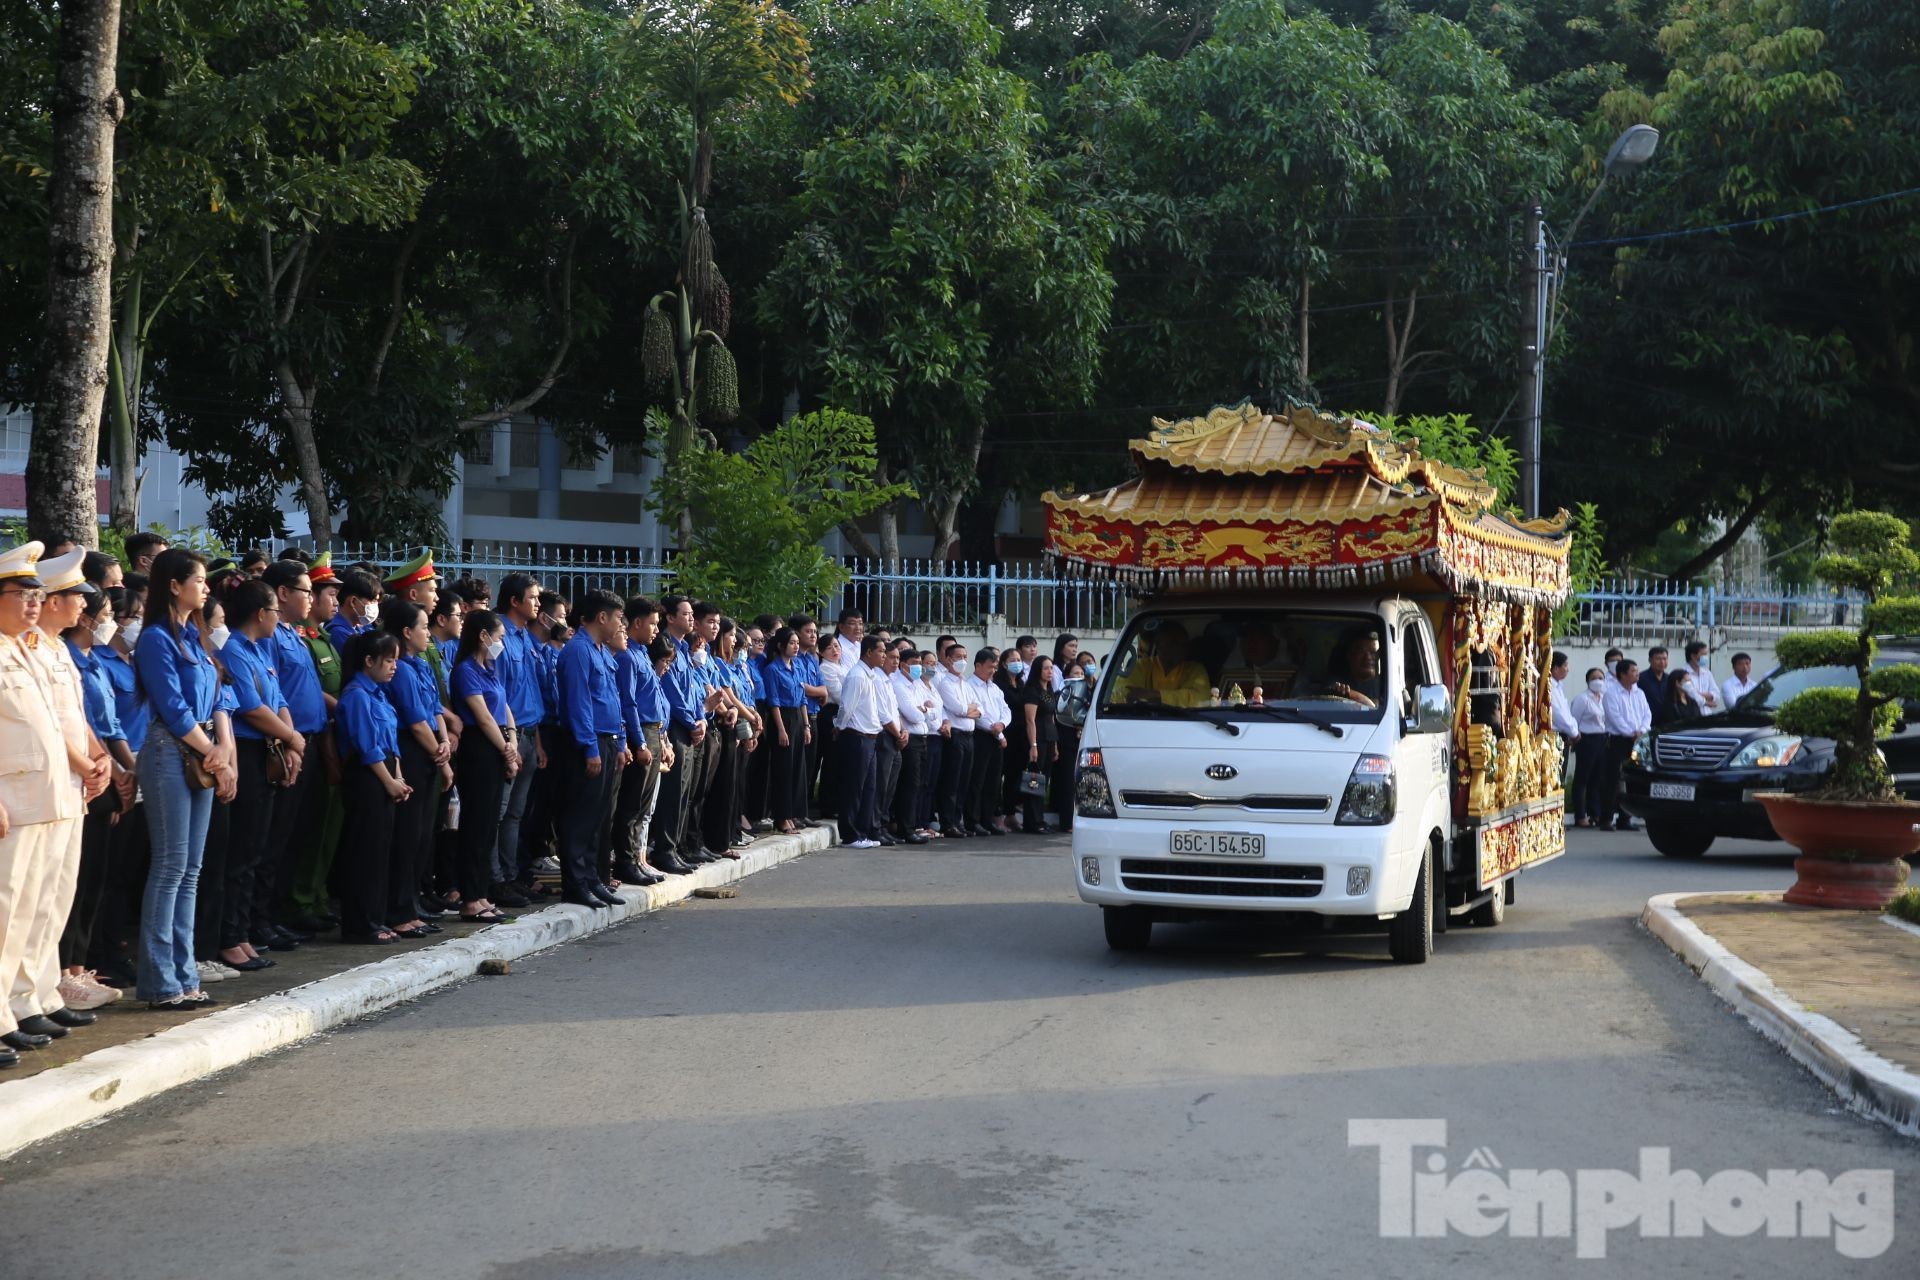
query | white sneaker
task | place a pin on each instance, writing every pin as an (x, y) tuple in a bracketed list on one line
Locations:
[(76, 992), (214, 971), (864, 844), (548, 866)]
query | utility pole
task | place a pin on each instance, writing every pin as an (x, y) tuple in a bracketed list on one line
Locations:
[(1533, 361)]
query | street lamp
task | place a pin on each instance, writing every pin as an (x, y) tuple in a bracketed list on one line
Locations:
[(1632, 149)]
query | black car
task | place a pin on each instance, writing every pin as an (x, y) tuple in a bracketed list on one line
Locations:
[(1694, 781)]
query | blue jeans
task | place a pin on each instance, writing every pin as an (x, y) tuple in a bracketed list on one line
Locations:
[(177, 828)]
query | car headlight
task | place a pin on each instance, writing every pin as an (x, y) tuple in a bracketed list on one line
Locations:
[(1774, 752), (1093, 797), (1643, 749), (1368, 800)]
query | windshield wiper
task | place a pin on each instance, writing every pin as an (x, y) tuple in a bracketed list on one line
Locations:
[(1168, 711), (1295, 715)]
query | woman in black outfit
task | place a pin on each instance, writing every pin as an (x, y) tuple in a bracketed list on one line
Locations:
[(1070, 716), (1035, 712)]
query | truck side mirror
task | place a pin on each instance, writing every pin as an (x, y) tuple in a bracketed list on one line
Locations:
[(1432, 710)]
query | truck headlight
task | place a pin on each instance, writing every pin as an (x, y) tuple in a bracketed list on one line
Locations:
[(1093, 797), (1368, 801), (1773, 752), (1642, 749)]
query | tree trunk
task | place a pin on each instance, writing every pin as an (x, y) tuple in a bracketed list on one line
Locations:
[(297, 408), (62, 500), (943, 509), (893, 601), (123, 397)]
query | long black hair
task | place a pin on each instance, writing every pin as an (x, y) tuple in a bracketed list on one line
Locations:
[(365, 647), (476, 624), (175, 564)]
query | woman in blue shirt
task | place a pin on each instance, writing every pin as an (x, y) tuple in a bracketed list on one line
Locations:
[(787, 730), (372, 789), (415, 696), (726, 792), (181, 687), (89, 634), (488, 757)]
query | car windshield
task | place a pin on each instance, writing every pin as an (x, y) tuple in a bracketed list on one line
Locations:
[(1769, 694), (1328, 666)]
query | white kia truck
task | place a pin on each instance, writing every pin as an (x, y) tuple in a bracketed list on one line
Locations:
[(1331, 698)]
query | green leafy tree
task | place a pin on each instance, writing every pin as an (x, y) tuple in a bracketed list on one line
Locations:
[(940, 271), (760, 513), (1870, 555)]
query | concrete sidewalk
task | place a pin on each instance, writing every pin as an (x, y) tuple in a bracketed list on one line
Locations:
[(142, 1064), (1838, 990)]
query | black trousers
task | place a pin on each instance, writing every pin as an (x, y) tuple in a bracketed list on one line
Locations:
[(956, 780), (360, 867), (1013, 763), (827, 758), (483, 788), (984, 794), (412, 832), (1588, 795), (603, 835), (538, 830), (886, 776), (1619, 748), (810, 768), (677, 790), (719, 818), (633, 803), (931, 764), (853, 769), (296, 811), (1062, 783), (90, 889), (1033, 808), (127, 857), (786, 766), (207, 907), (756, 803), (906, 790), (248, 825), (588, 802)]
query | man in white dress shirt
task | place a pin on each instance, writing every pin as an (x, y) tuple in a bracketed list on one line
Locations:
[(1563, 722), (858, 729), (956, 761), (1705, 688), (1740, 683), (920, 717), (989, 741), (1628, 716), (892, 740)]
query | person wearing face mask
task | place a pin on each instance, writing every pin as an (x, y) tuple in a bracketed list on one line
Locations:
[(489, 759), (1683, 698), (920, 670), (1070, 717), (963, 710), (1587, 796), (1010, 679), (359, 598)]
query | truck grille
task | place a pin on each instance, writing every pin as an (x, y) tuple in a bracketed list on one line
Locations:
[(1693, 750), (1188, 800), (1221, 879)]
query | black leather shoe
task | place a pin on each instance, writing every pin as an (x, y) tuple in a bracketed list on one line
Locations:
[(672, 864), (24, 1040), (8, 1058), (41, 1025), (887, 841), (583, 900), (288, 931), (606, 895), (249, 966), (953, 833), (697, 857), (277, 942), (73, 1017), (506, 895), (310, 926), (978, 830), (915, 838), (629, 872)]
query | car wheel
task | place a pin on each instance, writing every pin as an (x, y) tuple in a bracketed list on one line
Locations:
[(1128, 928), (1677, 841), (1410, 934), (1493, 910)]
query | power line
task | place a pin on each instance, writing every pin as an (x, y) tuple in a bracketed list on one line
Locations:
[(1882, 198)]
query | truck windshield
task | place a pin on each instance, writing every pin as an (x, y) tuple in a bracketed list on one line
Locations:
[(1328, 666)]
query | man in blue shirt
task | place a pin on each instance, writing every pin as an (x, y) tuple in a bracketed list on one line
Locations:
[(646, 706), (814, 683), (594, 741), (300, 805), (687, 735), (522, 667)]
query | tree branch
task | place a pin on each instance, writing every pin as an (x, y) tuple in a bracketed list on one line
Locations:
[(1720, 545), (552, 375), (396, 306)]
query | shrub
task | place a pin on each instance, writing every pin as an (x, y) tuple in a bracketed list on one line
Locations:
[(1906, 906)]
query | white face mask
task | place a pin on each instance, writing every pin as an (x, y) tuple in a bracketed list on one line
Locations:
[(1597, 686), (495, 649), (131, 632), (699, 657), (219, 636), (958, 668), (103, 631)]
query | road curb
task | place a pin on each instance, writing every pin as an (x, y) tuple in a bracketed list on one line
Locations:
[(96, 1086), (1870, 1084)]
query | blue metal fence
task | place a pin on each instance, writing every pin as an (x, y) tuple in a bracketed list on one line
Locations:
[(1023, 595)]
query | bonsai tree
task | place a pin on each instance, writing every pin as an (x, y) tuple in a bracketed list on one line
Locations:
[(1870, 555)]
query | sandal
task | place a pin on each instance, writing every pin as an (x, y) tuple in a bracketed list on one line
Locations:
[(419, 931), (487, 917)]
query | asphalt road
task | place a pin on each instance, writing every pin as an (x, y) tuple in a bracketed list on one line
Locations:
[(926, 1064)]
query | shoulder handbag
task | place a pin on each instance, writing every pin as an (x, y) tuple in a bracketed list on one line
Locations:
[(1033, 783), (199, 777), (276, 749)]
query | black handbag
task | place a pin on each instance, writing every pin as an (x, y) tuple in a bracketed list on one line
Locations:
[(1033, 782)]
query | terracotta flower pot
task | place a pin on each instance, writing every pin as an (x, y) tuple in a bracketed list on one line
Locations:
[(1851, 851)]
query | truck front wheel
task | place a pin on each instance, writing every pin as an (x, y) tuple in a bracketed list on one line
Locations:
[(1410, 934), (1128, 928)]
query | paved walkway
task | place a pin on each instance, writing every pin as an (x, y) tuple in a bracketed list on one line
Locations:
[(1851, 966)]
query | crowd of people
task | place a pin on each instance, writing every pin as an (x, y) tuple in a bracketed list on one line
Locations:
[(212, 761), (1621, 701)]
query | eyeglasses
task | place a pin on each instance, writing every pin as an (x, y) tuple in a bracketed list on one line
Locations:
[(28, 595), (301, 591)]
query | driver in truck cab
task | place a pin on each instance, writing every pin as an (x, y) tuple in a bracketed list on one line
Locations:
[(1354, 673), (1168, 676)]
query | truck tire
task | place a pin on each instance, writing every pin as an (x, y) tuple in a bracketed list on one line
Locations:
[(1128, 928), (1494, 910), (1676, 841), (1410, 934)]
